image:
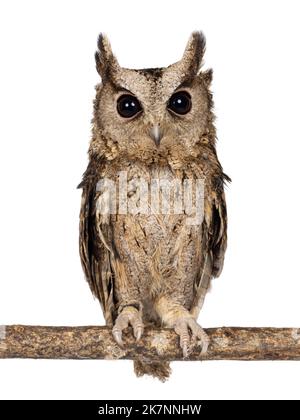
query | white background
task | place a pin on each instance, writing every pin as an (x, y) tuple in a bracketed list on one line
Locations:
[(46, 91)]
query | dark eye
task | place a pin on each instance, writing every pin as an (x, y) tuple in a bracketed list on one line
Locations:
[(128, 106), (180, 103)]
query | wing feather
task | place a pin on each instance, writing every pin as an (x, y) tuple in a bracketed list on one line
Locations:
[(213, 241), (95, 257)]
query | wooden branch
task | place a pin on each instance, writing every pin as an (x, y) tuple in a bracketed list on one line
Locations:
[(36, 342)]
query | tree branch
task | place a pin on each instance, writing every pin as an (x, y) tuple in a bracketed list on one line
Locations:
[(227, 343)]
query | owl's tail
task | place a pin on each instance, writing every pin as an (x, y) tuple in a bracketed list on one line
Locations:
[(160, 370)]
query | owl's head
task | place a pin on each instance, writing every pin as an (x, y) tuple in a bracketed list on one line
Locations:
[(152, 114)]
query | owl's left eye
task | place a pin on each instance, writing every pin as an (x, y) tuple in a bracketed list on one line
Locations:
[(180, 103), (128, 106)]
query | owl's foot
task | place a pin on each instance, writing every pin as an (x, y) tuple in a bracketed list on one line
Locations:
[(182, 327), (129, 316)]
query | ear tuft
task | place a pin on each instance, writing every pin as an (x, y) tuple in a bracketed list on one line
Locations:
[(105, 59), (207, 77), (194, 52)]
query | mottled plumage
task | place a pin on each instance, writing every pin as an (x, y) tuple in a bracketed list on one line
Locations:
[(150, 267)]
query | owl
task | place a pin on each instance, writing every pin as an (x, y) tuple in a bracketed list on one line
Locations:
[(153, 214)]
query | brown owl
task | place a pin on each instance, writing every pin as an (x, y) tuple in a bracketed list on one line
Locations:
[(153, 215)]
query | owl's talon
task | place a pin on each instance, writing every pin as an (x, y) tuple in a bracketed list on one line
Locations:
[(199, 333), (118, 337), (138, 332), (204, 345), (182, 327), (184, 350), (129, 316)]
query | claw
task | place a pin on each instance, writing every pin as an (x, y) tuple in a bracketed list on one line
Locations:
[(131, 316), (204, 340), (198, 332), (184, 350), (182, 327), (204, 349), (138, 332), (118, 337)]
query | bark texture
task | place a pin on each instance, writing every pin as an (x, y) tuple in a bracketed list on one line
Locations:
[(227, 343)]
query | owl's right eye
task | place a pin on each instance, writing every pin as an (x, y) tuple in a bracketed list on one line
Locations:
[(128, 106), (180, 103)]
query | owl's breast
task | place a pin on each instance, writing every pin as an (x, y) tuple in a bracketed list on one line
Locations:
[(156, 195), (155, 217)]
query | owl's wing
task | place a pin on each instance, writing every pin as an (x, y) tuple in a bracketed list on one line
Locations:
[(95, 257), (213, 241)]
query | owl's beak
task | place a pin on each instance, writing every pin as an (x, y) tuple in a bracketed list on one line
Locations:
[(156, 134)]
